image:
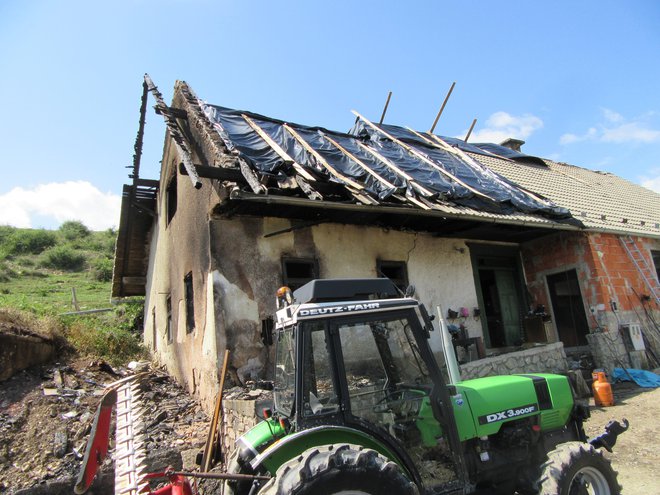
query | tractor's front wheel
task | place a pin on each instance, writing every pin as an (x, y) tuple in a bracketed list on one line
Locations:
[(339, 470), (577, 468)]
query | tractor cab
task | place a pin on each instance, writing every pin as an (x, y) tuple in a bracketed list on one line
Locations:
[(355, 353)]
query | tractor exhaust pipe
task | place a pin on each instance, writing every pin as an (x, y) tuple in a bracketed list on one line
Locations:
[(448, 351)]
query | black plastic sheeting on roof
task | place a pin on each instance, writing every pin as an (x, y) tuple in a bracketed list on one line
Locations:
[(380, 180), (494, 150)]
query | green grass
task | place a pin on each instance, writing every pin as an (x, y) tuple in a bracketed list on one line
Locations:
[(39, 271)]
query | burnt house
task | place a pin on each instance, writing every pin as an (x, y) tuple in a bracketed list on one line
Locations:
[(513, 250)]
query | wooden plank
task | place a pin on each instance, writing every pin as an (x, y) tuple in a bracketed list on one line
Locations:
[(382, 180), (356, 189), (251, 177), (457, 151), (176, 133), (277, 148), (419, 155), (210, 446), (395, 169), (322, 160)]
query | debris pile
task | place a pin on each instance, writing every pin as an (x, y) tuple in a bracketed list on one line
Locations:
[(46, 415)]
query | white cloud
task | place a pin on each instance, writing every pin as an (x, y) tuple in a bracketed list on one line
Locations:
[(502, 125), (60, 201), (615, 128), (632, 131), (612, 116), (652, 183)]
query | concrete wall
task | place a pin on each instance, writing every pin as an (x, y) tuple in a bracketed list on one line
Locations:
[(179, 248), (250, 271)]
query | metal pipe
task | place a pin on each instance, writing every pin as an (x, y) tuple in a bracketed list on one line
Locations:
[(387, 103), (444, 103), (448, 350), (467, 136)]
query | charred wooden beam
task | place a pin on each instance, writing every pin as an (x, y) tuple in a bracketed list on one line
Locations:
[(217, 173), (176, 133)]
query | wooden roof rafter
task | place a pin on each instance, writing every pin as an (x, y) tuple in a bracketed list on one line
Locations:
[(440, 143), (421, 156), (175, 130), (403, 198), (354, 187)]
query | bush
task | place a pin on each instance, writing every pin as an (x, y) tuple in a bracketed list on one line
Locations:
[(115, 345), (63, 257), (24, 241), (102, 269), (6, 272), (73, 230)]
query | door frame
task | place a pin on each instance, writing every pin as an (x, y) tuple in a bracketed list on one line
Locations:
[(585, 306), (512, 253)]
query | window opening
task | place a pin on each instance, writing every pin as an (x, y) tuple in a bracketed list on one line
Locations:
[(154, 332), (655, 255), (169, 329), (190, 302), (296, 272), (171, 199), (396, 271), (319, 389)]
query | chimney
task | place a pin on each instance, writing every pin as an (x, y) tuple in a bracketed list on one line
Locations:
[(513, 144)]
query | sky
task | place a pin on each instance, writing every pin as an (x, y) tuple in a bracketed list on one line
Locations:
[(578, 81)]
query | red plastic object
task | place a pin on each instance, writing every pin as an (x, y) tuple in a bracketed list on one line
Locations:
[(97, 445)]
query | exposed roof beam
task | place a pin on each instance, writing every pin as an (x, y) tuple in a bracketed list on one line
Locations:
[(397, 170), (419, 155), (354, 187), (175, 132), (278, 149)]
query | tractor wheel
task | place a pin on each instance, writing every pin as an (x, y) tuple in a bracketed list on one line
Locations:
[(234, 487), (343, 469), (577, 468)]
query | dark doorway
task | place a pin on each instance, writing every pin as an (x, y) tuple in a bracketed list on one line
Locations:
[(568, 308), (500, 293)]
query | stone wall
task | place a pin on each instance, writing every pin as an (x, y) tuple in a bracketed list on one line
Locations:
[(542, 359), (608, 350), (238, 416)]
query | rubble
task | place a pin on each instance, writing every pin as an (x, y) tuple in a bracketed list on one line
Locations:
[(46, 414)]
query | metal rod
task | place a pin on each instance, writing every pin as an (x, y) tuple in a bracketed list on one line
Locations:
[(215, 476), (467, 136), (444, 103), (387, 103)]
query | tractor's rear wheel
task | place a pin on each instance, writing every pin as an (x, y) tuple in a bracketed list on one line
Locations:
[(235, 487), (339, 470), (577, 468)]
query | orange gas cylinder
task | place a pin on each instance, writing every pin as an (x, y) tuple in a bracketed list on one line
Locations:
[(603, 395)]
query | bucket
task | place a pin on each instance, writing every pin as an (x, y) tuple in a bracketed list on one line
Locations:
[(602, 390)]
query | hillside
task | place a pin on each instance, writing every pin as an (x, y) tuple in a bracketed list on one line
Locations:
[(45, 274)]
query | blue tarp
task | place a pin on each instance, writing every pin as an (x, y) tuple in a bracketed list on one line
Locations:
[(642, 378)]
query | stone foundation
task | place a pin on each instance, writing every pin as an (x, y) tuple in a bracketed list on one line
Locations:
[(608, 350), (238, 416), (542, 359)]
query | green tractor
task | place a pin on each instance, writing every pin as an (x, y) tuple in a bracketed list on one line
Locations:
[(363, 406)]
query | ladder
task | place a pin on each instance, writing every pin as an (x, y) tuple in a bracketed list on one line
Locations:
[(643, 267)]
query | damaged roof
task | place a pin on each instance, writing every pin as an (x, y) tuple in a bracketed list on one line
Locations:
[(373, 164)]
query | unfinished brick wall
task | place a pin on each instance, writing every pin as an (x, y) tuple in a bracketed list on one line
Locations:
[(605, 273)]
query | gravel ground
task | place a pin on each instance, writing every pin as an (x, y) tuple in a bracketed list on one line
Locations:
[(636, 455)]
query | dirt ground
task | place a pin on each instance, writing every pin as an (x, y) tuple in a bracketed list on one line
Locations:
[(636, 454), (46, 414)]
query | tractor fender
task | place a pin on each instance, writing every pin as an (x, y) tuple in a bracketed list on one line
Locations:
[(295, 444)]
